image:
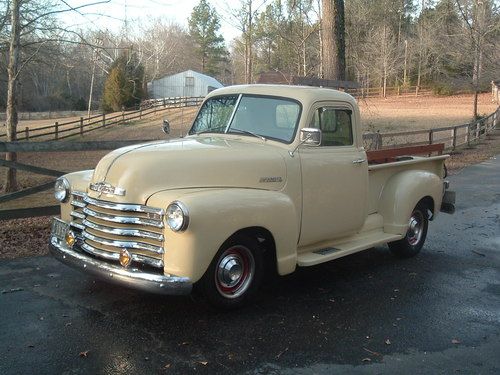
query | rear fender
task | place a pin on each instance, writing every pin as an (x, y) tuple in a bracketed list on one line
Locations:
[(401, 194)]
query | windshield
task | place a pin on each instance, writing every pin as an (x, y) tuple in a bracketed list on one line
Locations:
[(262, 116)]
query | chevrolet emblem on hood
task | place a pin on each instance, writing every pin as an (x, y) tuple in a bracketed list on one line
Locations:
[(104, 187)]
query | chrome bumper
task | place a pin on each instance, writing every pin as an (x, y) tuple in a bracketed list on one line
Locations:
[(131, 277)]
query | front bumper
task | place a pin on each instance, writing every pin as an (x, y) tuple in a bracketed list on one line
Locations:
[(130, 277)]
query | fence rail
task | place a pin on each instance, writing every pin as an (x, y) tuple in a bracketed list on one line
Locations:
[(83, 125), (451, 136)]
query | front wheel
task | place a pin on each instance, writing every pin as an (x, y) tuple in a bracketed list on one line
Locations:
[(414, 240), (234, 274)]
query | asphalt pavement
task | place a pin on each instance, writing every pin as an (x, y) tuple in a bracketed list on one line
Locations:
[(369, 313)]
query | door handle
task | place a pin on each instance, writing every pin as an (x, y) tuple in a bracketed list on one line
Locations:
[(358, 161)]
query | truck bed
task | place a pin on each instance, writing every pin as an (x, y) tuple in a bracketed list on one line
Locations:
[(384, 164)]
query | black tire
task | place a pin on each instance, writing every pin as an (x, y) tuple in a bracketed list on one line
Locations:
[(414, 240), (235, 273)]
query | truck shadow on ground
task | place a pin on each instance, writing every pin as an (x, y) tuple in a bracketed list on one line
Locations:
[(346, 309)]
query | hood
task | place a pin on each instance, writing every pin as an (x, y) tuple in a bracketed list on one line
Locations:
[(198, 162)]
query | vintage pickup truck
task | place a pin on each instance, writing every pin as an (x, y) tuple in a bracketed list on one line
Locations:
[(268, 177)]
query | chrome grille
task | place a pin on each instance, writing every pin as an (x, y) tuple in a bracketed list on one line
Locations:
[(105, 228)]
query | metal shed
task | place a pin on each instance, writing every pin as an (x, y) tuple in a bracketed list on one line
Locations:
[(188, 83)]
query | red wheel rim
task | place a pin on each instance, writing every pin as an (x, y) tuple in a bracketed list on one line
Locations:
[(234, 271)]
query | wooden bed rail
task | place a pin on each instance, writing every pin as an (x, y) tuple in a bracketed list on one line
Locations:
[(390, 154)]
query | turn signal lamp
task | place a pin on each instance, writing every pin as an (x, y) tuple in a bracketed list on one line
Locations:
[(70, 238)]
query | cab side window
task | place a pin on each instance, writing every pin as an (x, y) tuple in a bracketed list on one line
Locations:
[(335, 125)]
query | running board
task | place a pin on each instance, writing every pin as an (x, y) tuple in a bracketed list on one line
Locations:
[(341, 249)]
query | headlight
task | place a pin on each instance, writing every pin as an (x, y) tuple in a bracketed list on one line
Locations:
[(62, 189), (177, 216)]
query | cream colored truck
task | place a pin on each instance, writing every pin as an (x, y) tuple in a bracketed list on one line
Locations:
[(267, 176)]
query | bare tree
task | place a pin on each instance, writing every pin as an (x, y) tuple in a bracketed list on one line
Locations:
[(37, 26), (12, 88)]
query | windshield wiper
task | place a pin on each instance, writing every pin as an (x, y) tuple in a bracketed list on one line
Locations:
[(249, 133)]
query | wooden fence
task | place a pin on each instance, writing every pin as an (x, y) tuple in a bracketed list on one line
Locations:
[(84, 125), (374, 92), (48, 146), (452, 137)]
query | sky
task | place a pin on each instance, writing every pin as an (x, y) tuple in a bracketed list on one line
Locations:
[(112, 14)]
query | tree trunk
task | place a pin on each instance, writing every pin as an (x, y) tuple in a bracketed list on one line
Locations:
[(320, 37), (340, 37), (12, 88), (333, 32), (329, 67), (333, 27), (248, 45)]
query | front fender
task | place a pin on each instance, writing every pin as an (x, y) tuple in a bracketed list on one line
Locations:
[(401, 194), (79, 181), (216, 214)]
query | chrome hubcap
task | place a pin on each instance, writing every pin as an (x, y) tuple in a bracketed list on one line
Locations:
[(415, 228), (234, 272)]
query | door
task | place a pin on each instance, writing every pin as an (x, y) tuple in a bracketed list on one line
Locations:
[(334, 178)]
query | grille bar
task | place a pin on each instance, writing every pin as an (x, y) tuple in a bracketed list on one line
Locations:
[(105, 228), (122, 244), (116, 256), (77, 225), (78, 215), (123, 219), (122, 231), (124, 207), (79, 204)]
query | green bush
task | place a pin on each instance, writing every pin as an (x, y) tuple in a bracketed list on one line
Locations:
[(123, 87)]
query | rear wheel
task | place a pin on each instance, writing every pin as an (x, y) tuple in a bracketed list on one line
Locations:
[(414, 240), (235, 273)]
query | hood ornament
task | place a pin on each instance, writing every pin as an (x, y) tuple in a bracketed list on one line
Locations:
[(104, 187)]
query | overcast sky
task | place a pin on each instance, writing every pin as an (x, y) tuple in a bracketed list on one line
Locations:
[(112, 15)]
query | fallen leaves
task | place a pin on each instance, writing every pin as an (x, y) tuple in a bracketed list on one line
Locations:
[(387, 342), (12, 290), (84, 354), (456, 341), (281, 353)]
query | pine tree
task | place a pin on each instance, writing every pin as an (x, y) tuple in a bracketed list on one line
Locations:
[(123, 87), (204, 28)]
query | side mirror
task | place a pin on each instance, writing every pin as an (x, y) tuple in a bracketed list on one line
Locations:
[(310, 137), (165, 126)]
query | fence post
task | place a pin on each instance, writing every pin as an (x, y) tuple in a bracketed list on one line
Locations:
[(478, 129), (164, 103), (431, 136), (27, 133), (123, 116), (103, 119), (56, 125), (378, 141), (140, 113), (454, 138), (81, 125)]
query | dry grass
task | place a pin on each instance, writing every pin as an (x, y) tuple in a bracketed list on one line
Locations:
[(426, 112)]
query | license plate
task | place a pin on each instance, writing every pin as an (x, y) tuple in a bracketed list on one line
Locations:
[(59, 228)]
